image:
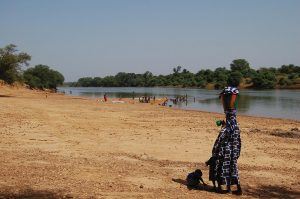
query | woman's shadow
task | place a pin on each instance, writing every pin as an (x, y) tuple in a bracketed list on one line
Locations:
[(200, 187)]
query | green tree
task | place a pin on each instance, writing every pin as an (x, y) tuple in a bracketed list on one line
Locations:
[(200, 79), (161, 80), (287, 69), (109, 81), (252, 73), (85, 82), (207, 75), (148, 78), (11, 63), (240, 65), (97, 82), (220, 77), (126, 79), (140, 81), (264, 80), (41, 76), (270, 69), (200, 82), (177, 70), (187, 79), (234, 78), (284, 82)]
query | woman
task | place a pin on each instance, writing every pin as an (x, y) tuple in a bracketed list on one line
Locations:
[(227, 146)]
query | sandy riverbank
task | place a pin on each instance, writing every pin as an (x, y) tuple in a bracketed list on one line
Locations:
[(69, 146)]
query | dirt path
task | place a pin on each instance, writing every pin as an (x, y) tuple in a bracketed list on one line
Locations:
[(63, 146)]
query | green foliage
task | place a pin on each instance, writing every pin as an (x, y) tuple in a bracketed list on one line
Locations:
[(293, 76), (284, 82), (109, 81), (288, 69), (271, 70), (240, 65), (234, 78), (252, 73), (220, 77), (42, 77), (97, 81), (11, 63), (181, 77), (148, 79), (177, 69), (264, 80), (85, 82)]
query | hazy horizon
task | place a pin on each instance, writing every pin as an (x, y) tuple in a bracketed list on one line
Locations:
[(99, 38)]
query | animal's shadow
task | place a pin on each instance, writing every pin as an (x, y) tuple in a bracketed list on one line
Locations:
[(200, 187)]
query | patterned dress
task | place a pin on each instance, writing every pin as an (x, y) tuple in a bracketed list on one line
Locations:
[(226, 150)]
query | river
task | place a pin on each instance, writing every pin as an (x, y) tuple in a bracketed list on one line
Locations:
[(266, 103)]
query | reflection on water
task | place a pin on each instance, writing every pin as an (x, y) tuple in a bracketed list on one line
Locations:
[(270, 103)]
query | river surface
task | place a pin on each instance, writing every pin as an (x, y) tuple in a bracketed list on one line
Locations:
[(266, 103)]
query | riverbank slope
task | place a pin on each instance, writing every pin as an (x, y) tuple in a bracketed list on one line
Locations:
[(54, 145)]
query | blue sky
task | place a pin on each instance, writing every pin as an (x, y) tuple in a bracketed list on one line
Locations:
[(99, 38)]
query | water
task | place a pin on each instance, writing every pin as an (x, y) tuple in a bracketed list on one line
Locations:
[(268, 103)]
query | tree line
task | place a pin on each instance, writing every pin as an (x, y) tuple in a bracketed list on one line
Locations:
[(12, 63), (240, 73)]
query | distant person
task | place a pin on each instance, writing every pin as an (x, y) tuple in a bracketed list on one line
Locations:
[(227, 147), (165, 102), (105, 97), (147, 99)]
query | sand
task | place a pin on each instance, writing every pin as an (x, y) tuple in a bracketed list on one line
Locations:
[(66, 146)]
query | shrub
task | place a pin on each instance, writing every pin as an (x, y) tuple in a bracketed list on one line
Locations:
[(42, 77)]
